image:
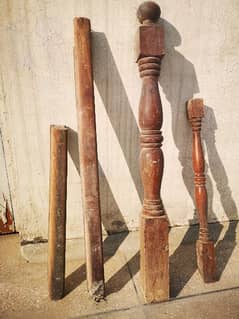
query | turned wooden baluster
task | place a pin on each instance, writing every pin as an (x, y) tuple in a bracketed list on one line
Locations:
[(204, 247), (154, 266)]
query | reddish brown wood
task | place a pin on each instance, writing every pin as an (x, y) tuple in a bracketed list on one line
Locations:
[(154, 262), (204, 247), (57, 212), (88, 157), (7, 224)]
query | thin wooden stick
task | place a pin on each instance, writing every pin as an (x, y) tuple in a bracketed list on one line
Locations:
[(204, 247), (154, 251), (88, 157), (57, 212)]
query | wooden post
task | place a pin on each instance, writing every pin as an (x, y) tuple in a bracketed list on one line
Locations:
[(57, 212), (88, 157), (204, 247), (154, 250)]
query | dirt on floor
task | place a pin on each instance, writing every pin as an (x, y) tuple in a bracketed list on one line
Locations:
[(24, 292)]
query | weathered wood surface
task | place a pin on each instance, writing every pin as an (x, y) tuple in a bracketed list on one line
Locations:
[(88, 157), (154, 251), (57, 211), (204, 247)]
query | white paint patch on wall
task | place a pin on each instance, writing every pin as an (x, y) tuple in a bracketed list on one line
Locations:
[(37, 89)]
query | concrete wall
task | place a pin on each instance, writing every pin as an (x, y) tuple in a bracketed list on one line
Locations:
[(37, 89)]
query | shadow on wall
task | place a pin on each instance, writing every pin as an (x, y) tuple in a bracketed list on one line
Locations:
[(114, 97), (179, 83), (108, 204)]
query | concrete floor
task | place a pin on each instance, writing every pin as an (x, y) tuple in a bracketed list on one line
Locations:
[(23, 281)]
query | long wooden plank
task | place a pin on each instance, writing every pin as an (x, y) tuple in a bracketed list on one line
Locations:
[(57, 211), (88, 157)]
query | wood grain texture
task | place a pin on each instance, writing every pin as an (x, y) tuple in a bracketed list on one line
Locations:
[(57, 211), (154, 254), (204, 247), (154, 263), (88, 157)]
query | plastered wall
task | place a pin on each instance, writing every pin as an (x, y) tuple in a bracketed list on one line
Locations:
[(37, 89)]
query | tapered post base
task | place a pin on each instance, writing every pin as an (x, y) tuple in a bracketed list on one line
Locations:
[(154, 258), (206, 260)]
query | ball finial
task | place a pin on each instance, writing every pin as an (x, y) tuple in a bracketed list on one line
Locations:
[(148, 11)]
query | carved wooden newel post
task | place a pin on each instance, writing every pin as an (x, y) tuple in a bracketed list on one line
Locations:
[(154, 265), (204, 247)]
